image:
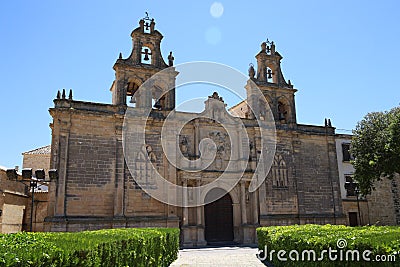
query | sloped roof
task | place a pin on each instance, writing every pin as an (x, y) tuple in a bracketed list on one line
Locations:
[(3, 168), (41, 150)]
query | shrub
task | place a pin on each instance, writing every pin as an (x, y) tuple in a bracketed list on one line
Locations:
[(380, 240), (111, 247)]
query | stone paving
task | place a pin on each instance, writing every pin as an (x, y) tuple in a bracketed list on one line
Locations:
[(218, 256)]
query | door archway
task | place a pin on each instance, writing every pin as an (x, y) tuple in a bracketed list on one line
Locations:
[(219, 218)]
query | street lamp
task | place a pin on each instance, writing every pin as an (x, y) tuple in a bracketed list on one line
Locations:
[(53, 175), (353, 189), (357, 192), (32, 182), (12, 174)]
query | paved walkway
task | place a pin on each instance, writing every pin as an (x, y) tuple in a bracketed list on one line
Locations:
[(218, 256)]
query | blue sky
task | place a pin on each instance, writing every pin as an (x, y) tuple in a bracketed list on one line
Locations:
[(342, 56)]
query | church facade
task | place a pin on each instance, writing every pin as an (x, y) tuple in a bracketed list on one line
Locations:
[(97, 189)]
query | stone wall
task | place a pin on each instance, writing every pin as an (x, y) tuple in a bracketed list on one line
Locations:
[(96, 189), (312, 194), (381, 207), (36, 161), (16, 203), (13, 203), (382, 203), (378, 208)]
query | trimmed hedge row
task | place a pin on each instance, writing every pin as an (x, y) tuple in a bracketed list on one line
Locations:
[(111, 247), (334, 245)]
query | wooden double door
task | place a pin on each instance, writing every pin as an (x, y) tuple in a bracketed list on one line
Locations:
[(219, 220)]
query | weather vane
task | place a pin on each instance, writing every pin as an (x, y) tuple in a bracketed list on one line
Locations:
[(147, 19), (269, 44)]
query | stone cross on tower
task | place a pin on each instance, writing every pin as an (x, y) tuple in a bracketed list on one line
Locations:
[(147, 19)]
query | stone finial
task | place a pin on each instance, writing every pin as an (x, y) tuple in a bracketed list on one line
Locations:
[(263, 46), (63, 94), (272, 48), (58, 94), (289, 82), (120, 56), (328, 123), (170, 59), (216, 96), (70, 94), (152, 25), (252, 72), (141, 24)]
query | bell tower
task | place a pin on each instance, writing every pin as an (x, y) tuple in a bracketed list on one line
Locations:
[(269, 78), (144, 61)]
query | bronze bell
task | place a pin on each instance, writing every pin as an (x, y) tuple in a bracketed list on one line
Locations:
[(146, 54), (269, 74), (157, 105)]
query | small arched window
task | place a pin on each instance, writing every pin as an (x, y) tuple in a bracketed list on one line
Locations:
[(130, 93), (131, 88), (158, 100), (282, 112)]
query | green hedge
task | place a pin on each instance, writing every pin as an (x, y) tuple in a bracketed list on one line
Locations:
[(111, 247), (382, 241)]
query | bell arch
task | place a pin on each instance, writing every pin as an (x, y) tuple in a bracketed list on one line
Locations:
[(132, 86), (283, 109), (157, 97), (264, 109)]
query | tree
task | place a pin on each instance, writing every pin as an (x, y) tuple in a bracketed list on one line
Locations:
[(376, 148)]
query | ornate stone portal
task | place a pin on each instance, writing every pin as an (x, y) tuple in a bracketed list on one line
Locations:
[(96, 190)]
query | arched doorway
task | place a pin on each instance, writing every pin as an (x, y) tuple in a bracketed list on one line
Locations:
[(219, 218)]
